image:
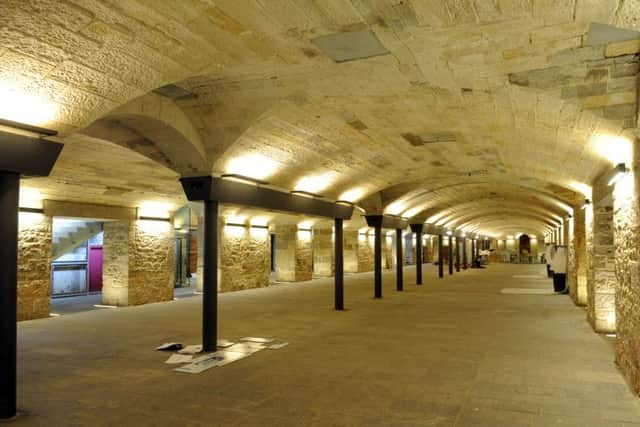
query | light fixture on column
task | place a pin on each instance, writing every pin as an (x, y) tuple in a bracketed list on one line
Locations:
[(306, 194), (587, 202), (31, 210), (244, 179), (27, 128), (617, 173), (449, 233)]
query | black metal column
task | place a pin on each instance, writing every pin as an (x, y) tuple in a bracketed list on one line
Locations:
[(473, 253), (378, 261), (450, 255), (9, 192), (464, 253), (457, 254), (339, 265), (417, 228), (440, 263), (399, 278), (210, 278)]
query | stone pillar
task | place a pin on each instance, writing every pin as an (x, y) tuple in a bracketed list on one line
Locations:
[(293, 254), (138, 264), (244, 257), (365, 251), (576, 264), (323, 252), (388, 250), (602, 278), (351, 251), (627, 266), (115, 264), (34, 265)]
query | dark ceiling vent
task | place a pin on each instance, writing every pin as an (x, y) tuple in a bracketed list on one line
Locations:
[(175, 92), (357, 125), (349, 46), (429, 138)]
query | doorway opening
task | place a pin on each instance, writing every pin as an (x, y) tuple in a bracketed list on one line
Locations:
[(76, 254)]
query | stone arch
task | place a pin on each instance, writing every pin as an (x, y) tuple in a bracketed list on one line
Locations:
[(157, 128)]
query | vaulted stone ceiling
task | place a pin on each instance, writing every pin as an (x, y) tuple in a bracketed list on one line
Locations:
[(465, 122)]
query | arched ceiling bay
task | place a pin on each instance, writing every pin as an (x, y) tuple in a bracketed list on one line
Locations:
[(461, 97)]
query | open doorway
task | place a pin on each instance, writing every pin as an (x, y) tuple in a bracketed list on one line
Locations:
[(76, 254)]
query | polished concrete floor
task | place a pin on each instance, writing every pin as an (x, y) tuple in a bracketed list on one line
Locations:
[(454, 352)]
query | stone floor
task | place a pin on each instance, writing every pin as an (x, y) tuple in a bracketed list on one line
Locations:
[(455, 352), (74, 304)]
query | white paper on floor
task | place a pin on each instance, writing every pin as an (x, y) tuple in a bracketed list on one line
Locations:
[(246, 347), (191, 349), (277, 345), (179, 358), (170, 346), (219, 358), (527, 291), (258, 340)]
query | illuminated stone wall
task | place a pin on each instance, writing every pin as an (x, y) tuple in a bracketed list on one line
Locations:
[(151, 262), (34, 266), (601, 279), (627, 274), (576, 263), (138, 262), (323, 252), (244, 258), (293, 254)]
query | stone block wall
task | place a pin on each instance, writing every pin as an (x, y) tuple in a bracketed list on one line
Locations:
[(34, 266), (350, 251), (388, 251), (151, 262), (572, 263), (244, 258), (115, 264), (627, 273), (138, 262), (576, 266), (365, 252), (293, 254), (323, 252), (602, 277)]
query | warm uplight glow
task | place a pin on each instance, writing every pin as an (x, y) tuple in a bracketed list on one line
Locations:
[(582, 188), (395, 208), (624, 189), (305, 225), (614, 148), (314, 184), (254, 165), (261, 221), (154, 210), (412, 212), (19, 106), (352, 195), (30, 198)]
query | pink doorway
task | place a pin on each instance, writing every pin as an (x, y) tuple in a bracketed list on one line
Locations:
[(95, 268)]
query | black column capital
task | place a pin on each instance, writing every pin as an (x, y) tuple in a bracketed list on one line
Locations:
[(416, 228)]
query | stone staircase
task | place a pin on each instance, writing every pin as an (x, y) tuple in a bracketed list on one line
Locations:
[(69, 236)]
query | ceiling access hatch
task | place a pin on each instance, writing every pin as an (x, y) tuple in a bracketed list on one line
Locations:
[(349, 46)]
